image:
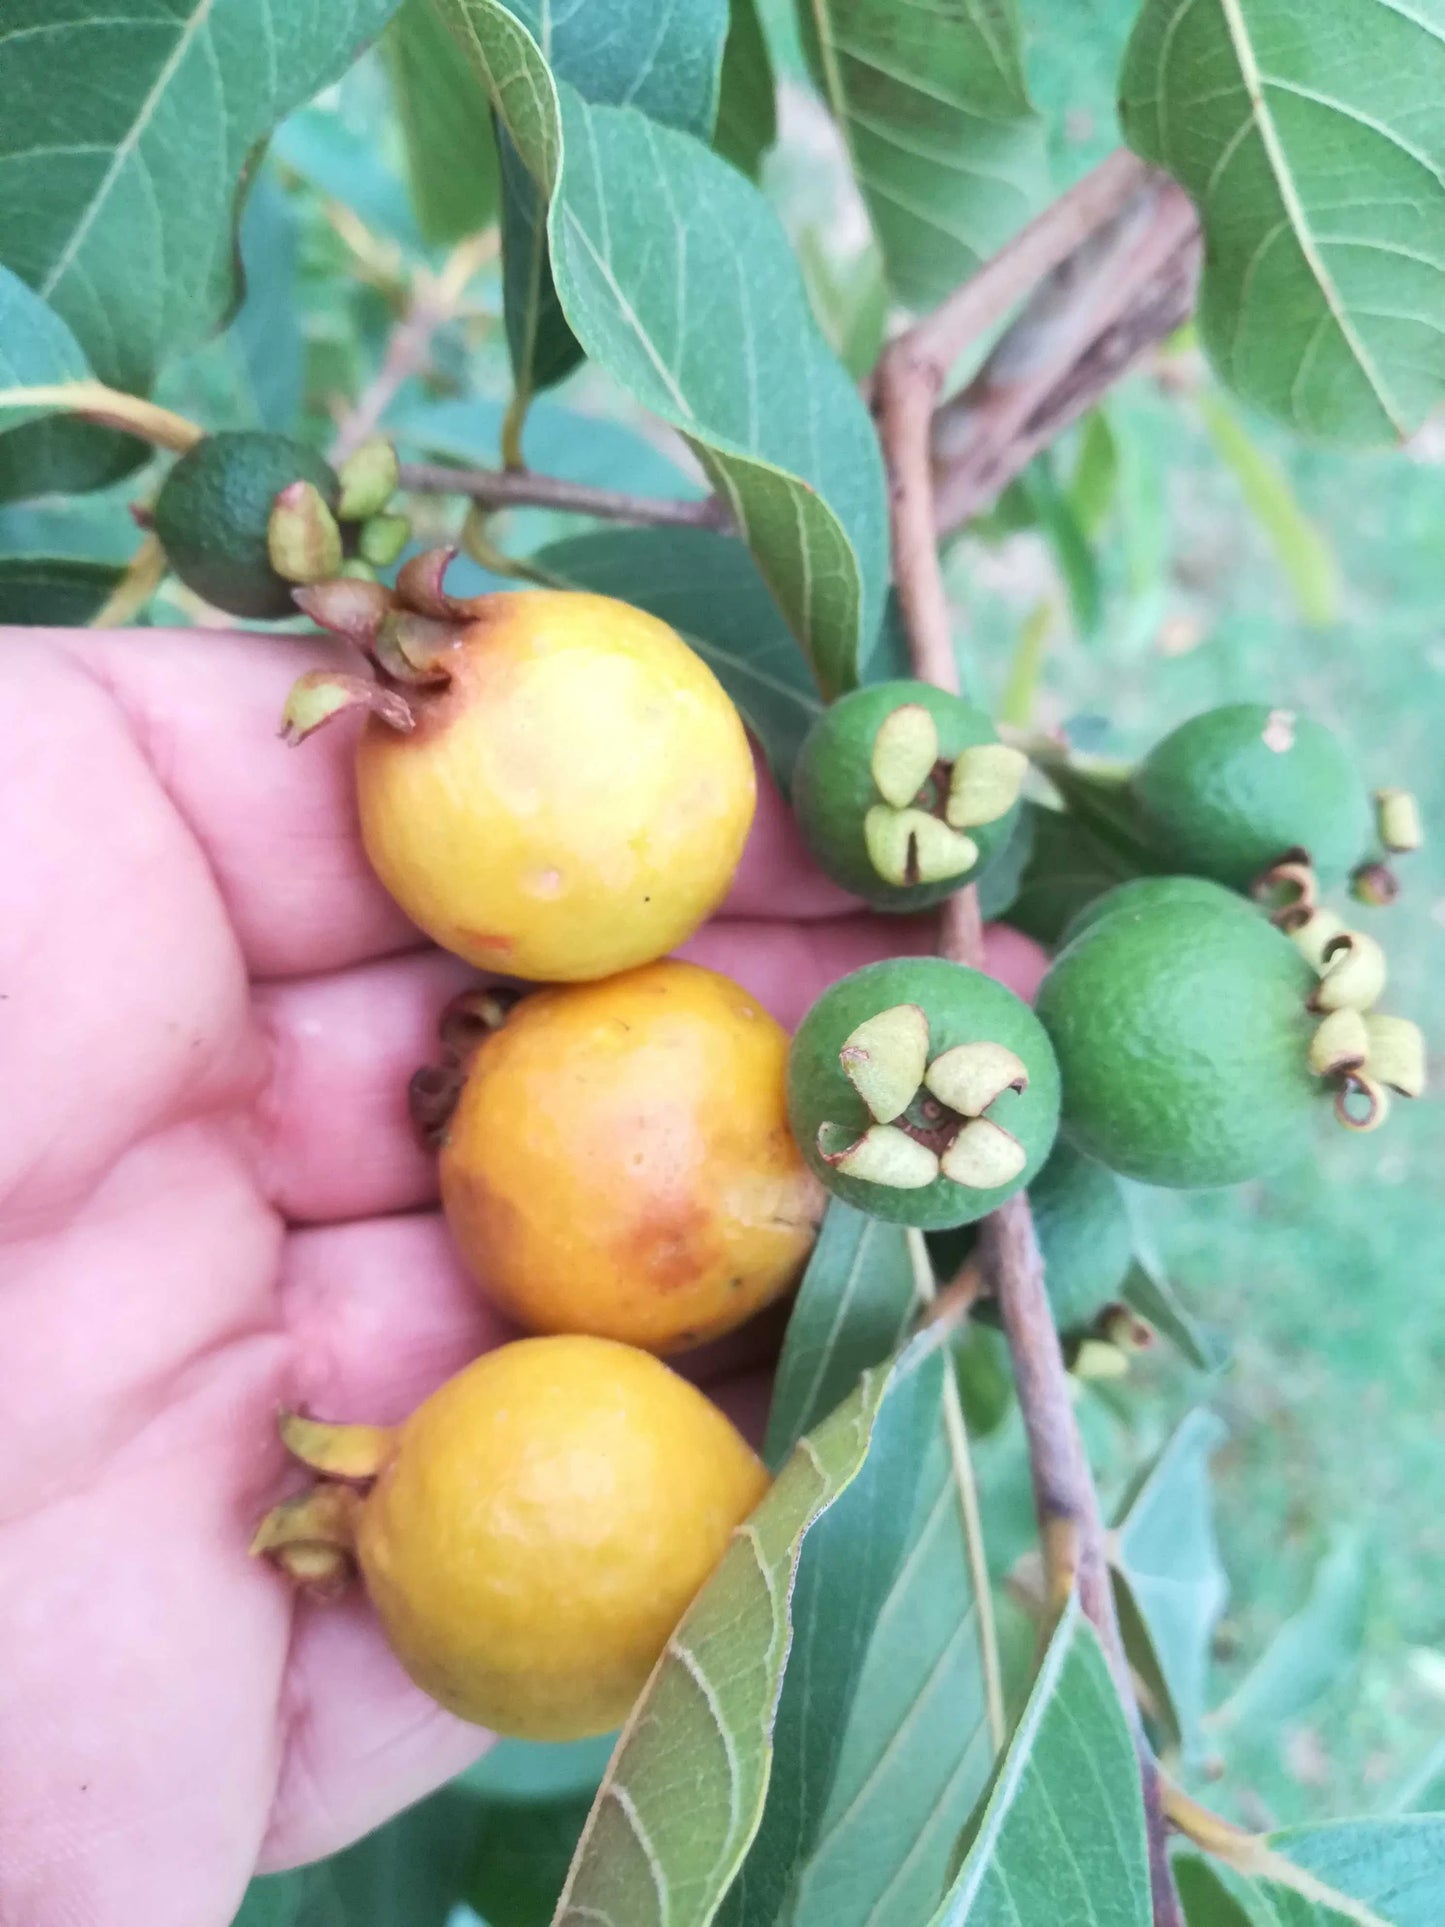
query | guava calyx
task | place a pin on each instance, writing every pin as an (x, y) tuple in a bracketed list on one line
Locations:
[(916, 834), (311, 1538), (1289, 890), (984, 784), (1353, 972), (1366, 1053), (912, 846), (464, 1025), (322, 694), (1375, 884), (404, 635), (351, 1452), (905, 751), (929, 1118), (1397, 817), (1395, 1053)]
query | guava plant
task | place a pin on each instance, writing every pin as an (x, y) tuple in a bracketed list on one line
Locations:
[(279, 363)]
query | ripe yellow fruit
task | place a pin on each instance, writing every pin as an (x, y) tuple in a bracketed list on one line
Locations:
[(536, 1528), (574, 799), (619, 1161)]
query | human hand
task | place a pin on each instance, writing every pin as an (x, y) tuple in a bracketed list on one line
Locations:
[(211, 1206)]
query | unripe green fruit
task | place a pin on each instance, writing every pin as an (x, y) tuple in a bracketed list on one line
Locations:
[(835, 788), (1229, 793), (214, 510), (1183, 1039), (1152, 892), (1084, 1234), (936, 1067)]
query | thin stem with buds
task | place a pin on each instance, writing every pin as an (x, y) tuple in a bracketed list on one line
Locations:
[(907, 386), (496, 488)]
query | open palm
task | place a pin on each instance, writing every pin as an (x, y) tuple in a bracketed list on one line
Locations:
[(211, 1205)]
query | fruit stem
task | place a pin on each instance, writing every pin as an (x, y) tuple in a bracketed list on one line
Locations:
[(907, 385)]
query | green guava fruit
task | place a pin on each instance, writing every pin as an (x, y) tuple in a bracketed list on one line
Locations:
[(1087, 1242), (1230, 792), (1154, 891), (213, 511), (1182, 1035), (840, 806), (922, 1091)]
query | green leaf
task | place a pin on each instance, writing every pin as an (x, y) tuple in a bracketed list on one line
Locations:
[(59, 589), (59, 560), (849, 298), (1061, 1836), (1148, 1291), (706, 1718), (1095, 480), (850, 1565), (252, 376), (1315, 153), (1352, 1873), (747, 110), (83, 528), (126, 134), (935, 111), (917, 1751), (1001, 882), (707, 587), (650, 232), (542, 347), (664, 60), (36, 348), (854, 1307), (1304, 555), (523, 1849), (1312, 1651), (1067, 867), (1073, 553), (446, 125), (1168, 1573)]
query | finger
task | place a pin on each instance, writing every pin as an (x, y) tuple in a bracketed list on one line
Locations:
[(788, 966), (144, 1652), (336, 1135), (277, 824), (777, 878), (380, 1314), (122, 997), (361, 1742)]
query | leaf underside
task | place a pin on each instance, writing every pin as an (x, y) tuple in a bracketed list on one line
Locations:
[(1312, 142)]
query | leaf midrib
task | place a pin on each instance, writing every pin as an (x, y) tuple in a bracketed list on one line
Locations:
[(1296, 213), (127, 146)]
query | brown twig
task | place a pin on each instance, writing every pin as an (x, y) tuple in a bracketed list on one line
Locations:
[(1099, 312), (907, 385), (434, 302), (913, 369), (516, 488)]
